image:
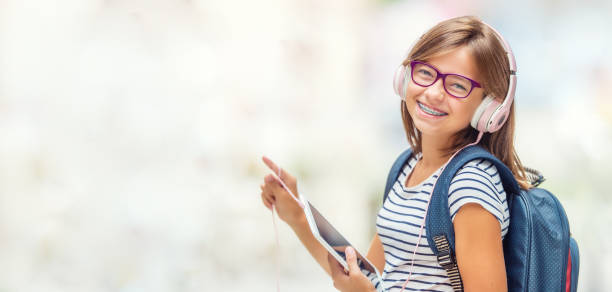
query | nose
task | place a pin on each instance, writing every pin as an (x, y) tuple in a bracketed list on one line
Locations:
[(436, 92)]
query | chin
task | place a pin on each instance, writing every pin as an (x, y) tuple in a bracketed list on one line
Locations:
[(425, 128)]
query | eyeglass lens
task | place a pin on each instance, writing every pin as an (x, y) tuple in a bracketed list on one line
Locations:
[(455, 85)]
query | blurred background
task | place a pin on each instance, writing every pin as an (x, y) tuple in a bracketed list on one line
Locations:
[(131, 132)]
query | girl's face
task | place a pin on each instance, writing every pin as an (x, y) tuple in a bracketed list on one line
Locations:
[(453, 114)]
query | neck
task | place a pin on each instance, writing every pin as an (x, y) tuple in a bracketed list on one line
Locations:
[(433, 150)]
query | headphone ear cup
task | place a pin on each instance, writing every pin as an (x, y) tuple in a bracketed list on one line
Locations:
[(398, 81), (483, 113), (498, 118), (407, 72)]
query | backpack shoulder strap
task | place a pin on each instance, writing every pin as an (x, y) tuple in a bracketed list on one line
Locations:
[(395, 170), (440, 230)]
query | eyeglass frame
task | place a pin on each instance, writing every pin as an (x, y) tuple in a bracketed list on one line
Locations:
[(443, 76)]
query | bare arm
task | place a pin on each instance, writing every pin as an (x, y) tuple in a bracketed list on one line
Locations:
[(376, 253), (478, 244), (274, 194), (318, 252)]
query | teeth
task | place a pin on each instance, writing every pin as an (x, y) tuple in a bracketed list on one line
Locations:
[(430, 111)]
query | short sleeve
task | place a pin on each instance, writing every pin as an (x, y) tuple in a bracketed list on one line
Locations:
[(479, 182), (374, 279)]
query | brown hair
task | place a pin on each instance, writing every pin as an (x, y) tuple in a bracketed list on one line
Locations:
[(492, 63)]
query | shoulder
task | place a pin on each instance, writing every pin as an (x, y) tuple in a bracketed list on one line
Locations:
[(481, 166), (478, 181), (478, 172)]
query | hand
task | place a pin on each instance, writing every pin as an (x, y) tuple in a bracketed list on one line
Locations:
[(273, 193), (354, 280)]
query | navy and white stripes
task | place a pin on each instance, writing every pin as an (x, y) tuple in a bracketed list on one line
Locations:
[(400, 218)]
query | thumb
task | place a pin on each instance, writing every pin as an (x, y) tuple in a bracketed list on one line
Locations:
[(351, 260)]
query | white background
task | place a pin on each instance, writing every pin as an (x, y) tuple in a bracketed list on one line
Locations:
[(131, 132)]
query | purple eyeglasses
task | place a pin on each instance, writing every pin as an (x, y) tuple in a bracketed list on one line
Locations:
[(456, 85)]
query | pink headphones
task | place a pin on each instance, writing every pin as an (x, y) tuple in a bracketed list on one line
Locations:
[(490, 114)]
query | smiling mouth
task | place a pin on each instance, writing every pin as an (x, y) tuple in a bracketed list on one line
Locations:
[(430, 110)]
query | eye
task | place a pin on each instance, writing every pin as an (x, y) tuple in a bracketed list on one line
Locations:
[(458, 86), (424, 72)]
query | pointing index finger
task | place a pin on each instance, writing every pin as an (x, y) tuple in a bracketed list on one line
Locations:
[(279, 172), (271, 165)]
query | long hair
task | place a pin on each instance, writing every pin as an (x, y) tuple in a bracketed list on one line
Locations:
[(492, 63)]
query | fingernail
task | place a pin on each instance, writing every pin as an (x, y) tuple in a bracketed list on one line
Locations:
[(350, 252)]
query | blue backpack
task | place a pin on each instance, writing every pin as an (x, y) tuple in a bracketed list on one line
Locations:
[(539, 252)]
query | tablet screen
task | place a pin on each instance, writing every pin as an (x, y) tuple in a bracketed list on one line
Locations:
[(336, 240)]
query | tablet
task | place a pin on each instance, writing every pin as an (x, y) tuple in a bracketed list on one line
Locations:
[(335, 243)]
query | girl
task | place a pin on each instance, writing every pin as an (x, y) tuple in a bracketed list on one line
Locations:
[(453, 68)]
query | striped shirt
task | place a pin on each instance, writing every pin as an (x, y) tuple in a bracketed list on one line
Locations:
[(400, 218)]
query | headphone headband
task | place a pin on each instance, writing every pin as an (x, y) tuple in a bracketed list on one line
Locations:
[(499, 116)]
